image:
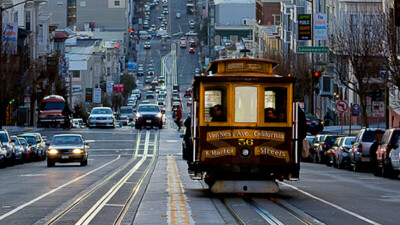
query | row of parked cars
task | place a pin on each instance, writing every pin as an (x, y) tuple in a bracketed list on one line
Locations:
[(21, 148), (372, 148)]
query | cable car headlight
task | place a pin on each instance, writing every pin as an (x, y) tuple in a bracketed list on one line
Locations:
[(245, 152)]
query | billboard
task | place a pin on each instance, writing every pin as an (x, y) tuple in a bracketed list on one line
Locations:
[(97, 95), (10, 38), (118, 88), (304, 21), (320, 27)]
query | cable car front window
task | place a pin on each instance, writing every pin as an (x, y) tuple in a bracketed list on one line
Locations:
[(246, 104)]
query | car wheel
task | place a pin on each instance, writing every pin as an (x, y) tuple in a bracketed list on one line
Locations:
[(137, 126), (84, 163), (357, 166), (386, 168), (50, 164), (315, 160), (339, 164), (160, 126)]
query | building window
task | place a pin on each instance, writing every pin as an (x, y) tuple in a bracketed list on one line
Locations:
[(28, 20), (59, 3), (117, 3), (83, 3), (76, 74), (277, 19), (40, 33), (16, 17)]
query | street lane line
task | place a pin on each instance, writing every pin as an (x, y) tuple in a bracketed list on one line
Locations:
[(54, 190), (331, 204)]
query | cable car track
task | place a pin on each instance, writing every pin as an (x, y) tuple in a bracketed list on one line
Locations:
[(264, 214), (90, 214)]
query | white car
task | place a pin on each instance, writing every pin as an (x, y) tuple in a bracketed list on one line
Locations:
[(191, 33), (101, 117)]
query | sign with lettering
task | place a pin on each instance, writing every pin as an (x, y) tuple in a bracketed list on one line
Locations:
[(320, 27), (243, 133), (304, 21), (10, 38), (226, 151), (265, 150)]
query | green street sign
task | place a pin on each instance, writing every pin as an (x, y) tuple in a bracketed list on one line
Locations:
[(313, 49)]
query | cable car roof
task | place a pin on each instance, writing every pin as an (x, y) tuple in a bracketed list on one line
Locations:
[(240, 66)]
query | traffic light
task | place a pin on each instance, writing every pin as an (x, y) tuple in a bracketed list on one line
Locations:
[(317, 75), (396, 13), (204, 10)]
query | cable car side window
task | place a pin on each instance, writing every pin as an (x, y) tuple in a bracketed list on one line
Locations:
[(215, 109), (275, 104), (246, 104)]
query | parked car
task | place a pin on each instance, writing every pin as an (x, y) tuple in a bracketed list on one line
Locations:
[(26, 152), (314, 125), (78, 123), (8, 146), (332, 151), (359, 154), (67, 148), (384, 158), (342, 154), (325, 145), (314, 146), (19, 149), (395, 158), (148, 115), (101, 117), (3, 162), (36, 148)]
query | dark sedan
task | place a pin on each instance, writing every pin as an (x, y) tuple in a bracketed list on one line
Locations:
[(67, 148), (148, 115), (314, 125)]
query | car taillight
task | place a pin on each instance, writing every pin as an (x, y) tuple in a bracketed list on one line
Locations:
[(324, 146), (359, 148), (308, 122)]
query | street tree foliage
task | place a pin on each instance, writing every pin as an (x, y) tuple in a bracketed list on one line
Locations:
[(129, 84), (358, 53), (300, 69), (43, 79), (391, 41), (12, 79)]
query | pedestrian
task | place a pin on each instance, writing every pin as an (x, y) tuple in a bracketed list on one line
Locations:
[(327, 119), (178, 117), (66, 112)]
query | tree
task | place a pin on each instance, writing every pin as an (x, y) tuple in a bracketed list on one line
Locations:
[(358, 53), (129, 84), (390, 39)]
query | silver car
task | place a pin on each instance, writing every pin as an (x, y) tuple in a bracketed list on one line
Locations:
[(101, 117), (359, 154)]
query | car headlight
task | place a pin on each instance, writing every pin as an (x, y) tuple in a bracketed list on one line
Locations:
[(159, 115), (77, 151), (52, 151), (138, 115)]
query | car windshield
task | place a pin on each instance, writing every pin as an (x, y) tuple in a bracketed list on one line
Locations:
[(3, 137), (369, 135), (348, 141), (22, 141), (330, 139), (16, 141), (148, 108), (67, 140), (52, 105), (101, 111), (30, 140), (126, 110), (310, 116)]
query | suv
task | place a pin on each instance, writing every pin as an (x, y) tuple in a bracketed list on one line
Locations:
[(148, 114), (8, 146), (359, 154), (384, 156)]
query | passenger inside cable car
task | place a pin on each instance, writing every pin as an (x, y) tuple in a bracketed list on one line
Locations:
[(275, 104), (217, 114)]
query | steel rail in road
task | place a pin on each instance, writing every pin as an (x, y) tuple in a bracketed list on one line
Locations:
[(268, 217), (105, 181)]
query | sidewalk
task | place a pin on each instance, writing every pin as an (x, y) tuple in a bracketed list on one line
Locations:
[(354, 128), (21, 129)]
